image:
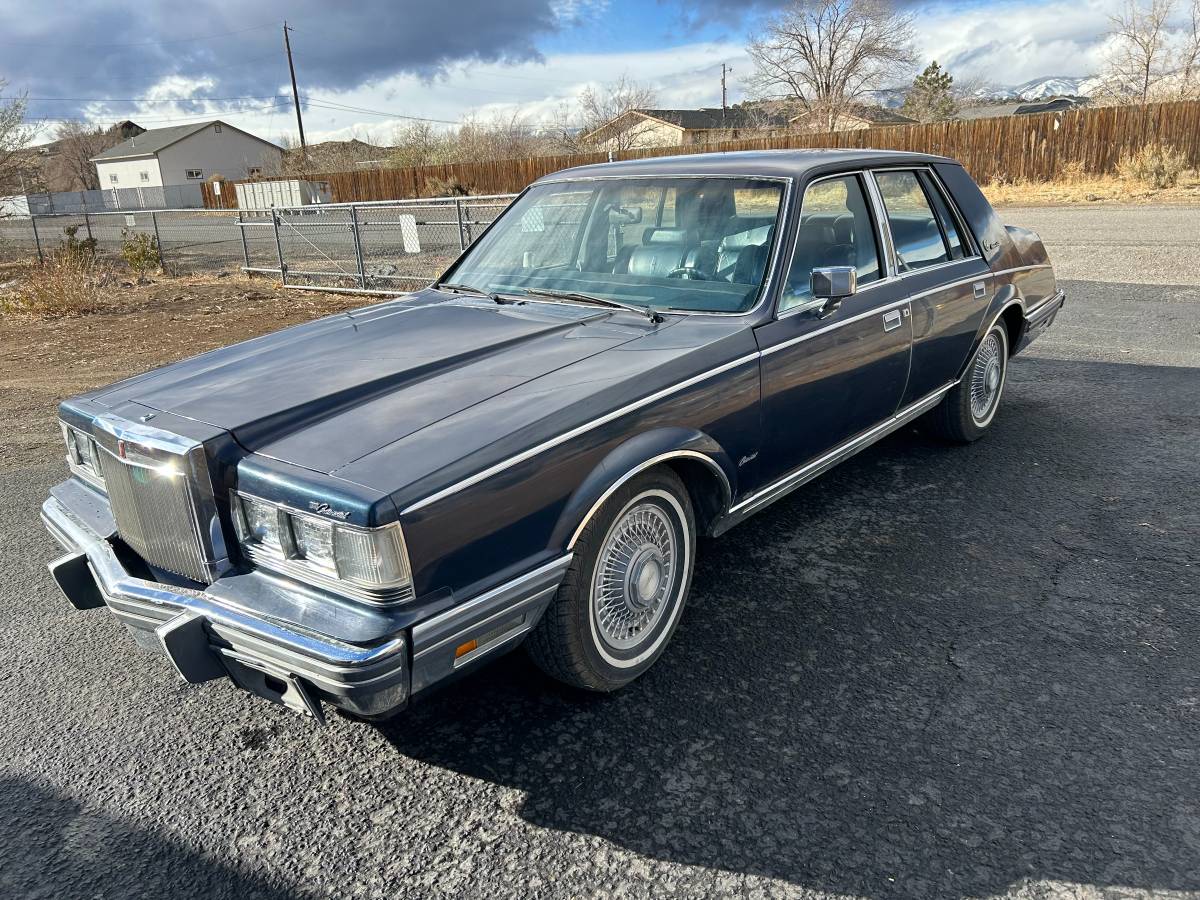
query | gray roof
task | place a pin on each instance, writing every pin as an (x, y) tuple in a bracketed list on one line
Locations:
[(150, 142), (713, 117), (772, 163)]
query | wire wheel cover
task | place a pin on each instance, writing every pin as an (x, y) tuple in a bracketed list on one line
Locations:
[(987, 377), (635, 575)]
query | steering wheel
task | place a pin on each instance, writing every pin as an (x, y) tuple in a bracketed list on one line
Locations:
[(688, 273)]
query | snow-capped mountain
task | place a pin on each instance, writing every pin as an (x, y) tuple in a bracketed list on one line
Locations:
[(1042, 88)]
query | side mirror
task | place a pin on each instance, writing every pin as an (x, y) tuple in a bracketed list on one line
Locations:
[(831, 285), (624, 215)]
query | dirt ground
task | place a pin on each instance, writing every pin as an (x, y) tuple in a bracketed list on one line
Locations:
[(43, 361)]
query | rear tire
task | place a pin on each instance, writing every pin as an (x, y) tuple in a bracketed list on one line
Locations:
[(626, 587), (966, 412)]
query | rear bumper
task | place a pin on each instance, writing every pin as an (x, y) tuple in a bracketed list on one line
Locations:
[(1041, 317), (207, 637)]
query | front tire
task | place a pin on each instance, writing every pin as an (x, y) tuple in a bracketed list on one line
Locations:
[(966, 412), (625, 590)]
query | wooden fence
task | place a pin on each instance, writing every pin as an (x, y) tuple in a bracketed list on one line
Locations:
[(1035, 147)]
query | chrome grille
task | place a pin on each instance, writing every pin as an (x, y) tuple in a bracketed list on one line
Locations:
[(155, 516), (161, 493)]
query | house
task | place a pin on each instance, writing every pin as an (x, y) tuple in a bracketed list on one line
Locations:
[(184, 154), (1019, 108), (638, 128), (854, 118)]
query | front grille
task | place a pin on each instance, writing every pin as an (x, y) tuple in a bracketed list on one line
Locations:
[(156, 516), (161, 492)]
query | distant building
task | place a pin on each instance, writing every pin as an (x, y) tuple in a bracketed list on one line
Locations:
[(855, 118), (639, 128), (1022, 108), (184, 154)]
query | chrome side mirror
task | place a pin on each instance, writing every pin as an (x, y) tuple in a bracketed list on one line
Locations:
[(831, 285)]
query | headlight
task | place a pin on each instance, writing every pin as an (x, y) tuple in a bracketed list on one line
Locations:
[(368, 563), (83, 455)]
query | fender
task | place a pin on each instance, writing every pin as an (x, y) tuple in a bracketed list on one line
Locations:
[(1004, 299), (627, 460)]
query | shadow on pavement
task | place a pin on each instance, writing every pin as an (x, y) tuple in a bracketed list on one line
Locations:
[(937, 671), (51, 846)]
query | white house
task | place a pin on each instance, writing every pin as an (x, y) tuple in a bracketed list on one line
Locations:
[(186, 154)]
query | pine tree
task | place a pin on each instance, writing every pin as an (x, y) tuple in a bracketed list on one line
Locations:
[(930, 98)]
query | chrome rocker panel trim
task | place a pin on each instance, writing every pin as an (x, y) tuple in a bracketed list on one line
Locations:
[(810, 470)]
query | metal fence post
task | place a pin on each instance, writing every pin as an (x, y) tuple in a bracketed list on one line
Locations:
[(358, 253), (245, 247), (462, 235), (87, 221), (37, 240), (279, 247), (162, 259)]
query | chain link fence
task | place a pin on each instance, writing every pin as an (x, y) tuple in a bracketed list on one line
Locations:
[(384, 247)]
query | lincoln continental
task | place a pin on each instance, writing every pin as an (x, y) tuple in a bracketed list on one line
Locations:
[(348, 512)]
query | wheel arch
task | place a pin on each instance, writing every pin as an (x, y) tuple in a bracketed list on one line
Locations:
[(700, 462)]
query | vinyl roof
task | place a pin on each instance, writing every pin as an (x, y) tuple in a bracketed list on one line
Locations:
[(750, 163)]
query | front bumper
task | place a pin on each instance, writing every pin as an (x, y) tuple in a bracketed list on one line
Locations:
[(206, 636)]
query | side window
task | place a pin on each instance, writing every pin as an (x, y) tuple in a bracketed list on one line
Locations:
[(915, 230), (959, 248), (836, 229)]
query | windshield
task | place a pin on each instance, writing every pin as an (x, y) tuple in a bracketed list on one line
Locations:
[(695, 244)]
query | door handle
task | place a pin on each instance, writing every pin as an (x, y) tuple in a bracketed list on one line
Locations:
[(980, 290), (891, 320)]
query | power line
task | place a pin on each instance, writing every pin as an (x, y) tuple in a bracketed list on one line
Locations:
[(321, 103)]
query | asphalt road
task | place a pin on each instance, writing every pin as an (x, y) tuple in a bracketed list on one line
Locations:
[(937, 671)]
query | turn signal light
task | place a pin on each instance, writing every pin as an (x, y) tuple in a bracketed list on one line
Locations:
[(464, 649)]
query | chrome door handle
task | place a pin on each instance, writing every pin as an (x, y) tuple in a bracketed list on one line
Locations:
[(891, 320), (980, 290)]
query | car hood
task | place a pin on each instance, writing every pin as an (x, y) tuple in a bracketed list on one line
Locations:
[(324, 394)]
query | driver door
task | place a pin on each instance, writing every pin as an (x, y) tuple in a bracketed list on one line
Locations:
[(830, 374)]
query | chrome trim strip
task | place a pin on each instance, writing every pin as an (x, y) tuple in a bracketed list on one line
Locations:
[(662, 457), (574, 432), (877, 311), (949, 284), (811, 470), (1058, 296), (1023, 268)]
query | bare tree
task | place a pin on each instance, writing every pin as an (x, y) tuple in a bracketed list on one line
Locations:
[(829, 55), (573, 126), (1139, 58), (15, 136), (1189, 54), (419, 144), (71, 167)]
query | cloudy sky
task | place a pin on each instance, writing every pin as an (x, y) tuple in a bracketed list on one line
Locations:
[(364, 66)]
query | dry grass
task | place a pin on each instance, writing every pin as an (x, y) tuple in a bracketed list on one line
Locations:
[(1075, 187), (68, 283)]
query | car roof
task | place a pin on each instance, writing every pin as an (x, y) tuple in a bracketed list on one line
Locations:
[(771, 163)]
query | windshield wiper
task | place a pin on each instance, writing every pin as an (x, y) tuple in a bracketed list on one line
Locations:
[(473, 291), (579, 297)]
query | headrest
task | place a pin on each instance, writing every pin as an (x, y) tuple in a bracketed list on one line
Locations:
[(843, 229), (665, 236)]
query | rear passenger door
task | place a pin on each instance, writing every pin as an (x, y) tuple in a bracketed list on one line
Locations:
[(827, 379), (949, 285)]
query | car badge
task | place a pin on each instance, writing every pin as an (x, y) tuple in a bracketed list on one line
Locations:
[(326, 510), (146, 418)]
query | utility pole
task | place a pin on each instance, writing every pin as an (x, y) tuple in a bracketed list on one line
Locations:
[(724, 93), (287, 44)]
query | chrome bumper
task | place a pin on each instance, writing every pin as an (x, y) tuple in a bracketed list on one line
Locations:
[(206, 637)]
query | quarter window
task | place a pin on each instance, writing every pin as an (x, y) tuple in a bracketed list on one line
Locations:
[(836, 229), (950, 228), (915, 229)]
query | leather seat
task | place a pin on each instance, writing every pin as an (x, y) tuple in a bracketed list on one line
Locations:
[(662, 251)]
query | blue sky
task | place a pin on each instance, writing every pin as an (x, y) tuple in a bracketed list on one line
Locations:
[(444, 60)]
